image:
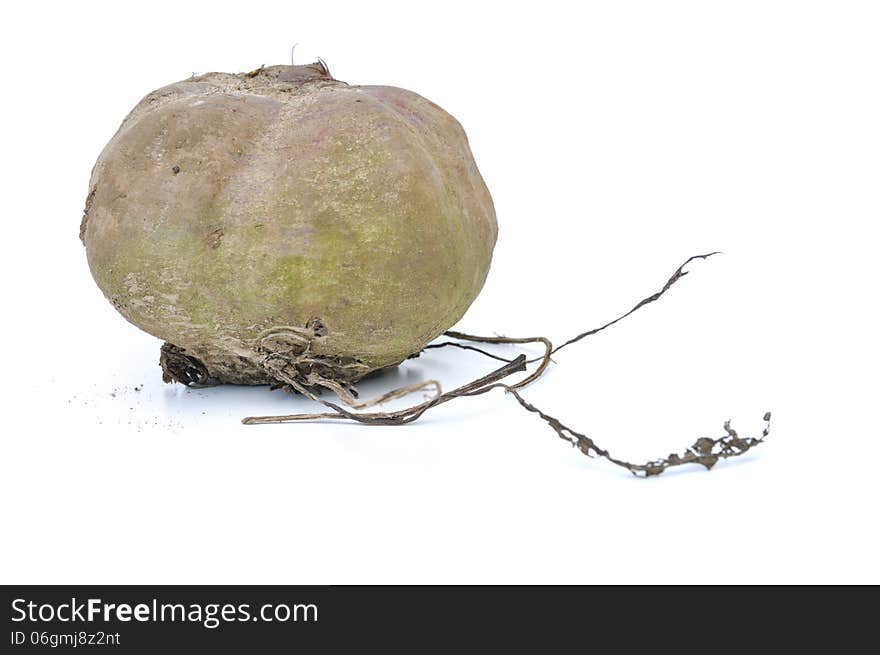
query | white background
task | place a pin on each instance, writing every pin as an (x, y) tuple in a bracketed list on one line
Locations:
[(617, 138)]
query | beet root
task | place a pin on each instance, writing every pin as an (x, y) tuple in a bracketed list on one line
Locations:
[(284, 221)]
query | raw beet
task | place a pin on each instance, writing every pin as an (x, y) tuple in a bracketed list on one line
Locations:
[(282, 218)]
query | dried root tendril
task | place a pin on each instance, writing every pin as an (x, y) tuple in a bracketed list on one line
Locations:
[(349, 395), (706, 451)]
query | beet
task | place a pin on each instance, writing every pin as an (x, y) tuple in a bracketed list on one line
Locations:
[(284, 219), (282, 227)]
